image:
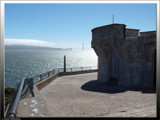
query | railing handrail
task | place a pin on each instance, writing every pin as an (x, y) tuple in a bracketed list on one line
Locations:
[(81, 67), (15, 104), (60, 68)]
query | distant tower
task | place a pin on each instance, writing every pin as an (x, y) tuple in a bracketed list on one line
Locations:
[(83, 46), (113, 19)]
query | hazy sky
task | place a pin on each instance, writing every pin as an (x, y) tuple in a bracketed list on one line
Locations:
[(70, 25)]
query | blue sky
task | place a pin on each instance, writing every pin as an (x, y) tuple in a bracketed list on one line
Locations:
[(69, 25)]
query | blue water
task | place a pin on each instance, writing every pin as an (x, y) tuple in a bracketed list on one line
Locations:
[(33, 62)]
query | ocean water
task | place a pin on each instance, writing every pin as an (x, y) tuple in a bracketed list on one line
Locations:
[(28, 63)]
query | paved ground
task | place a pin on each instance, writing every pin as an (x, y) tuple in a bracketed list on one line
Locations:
[(32, 106), (83, 96)]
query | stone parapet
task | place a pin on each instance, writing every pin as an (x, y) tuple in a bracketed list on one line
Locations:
[(131, 32), (148, 33), (109, 31)]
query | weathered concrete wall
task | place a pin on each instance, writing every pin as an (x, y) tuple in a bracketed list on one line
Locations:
[(46, 81), (109, 31), (115, 72), (40, 85), (103, 38), (125, 55), (132, 62), (131, 32), (76, 72), (148, 64), (148, 33)]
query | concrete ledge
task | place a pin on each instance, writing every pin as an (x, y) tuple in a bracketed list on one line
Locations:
[(46, 81), (76, 72)]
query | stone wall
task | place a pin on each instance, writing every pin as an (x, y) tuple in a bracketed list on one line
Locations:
[(131, 32), (115, 72), (148, 33), (125, 55)]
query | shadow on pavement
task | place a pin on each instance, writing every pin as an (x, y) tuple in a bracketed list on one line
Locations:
[(97, 86)]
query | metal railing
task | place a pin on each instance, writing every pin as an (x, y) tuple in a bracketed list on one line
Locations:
[(45, 75), (25, 86), (15, 104), (21, 90)]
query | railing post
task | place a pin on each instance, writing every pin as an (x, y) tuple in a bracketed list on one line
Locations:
[(30, 83), (40, 77), (82, 68), (52, 72), (48, 74), (64, 63), (71, 69)]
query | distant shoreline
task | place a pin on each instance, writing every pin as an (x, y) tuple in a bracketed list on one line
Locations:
[(22, 47)]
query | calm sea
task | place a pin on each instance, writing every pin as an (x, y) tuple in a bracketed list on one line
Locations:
[(29, 63)]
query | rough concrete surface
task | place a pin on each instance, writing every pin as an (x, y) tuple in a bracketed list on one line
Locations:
[(125, 55), (32, 106), (84, 96)]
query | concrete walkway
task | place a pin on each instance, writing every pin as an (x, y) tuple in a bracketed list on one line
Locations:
[(83, 96), (32, 106)]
